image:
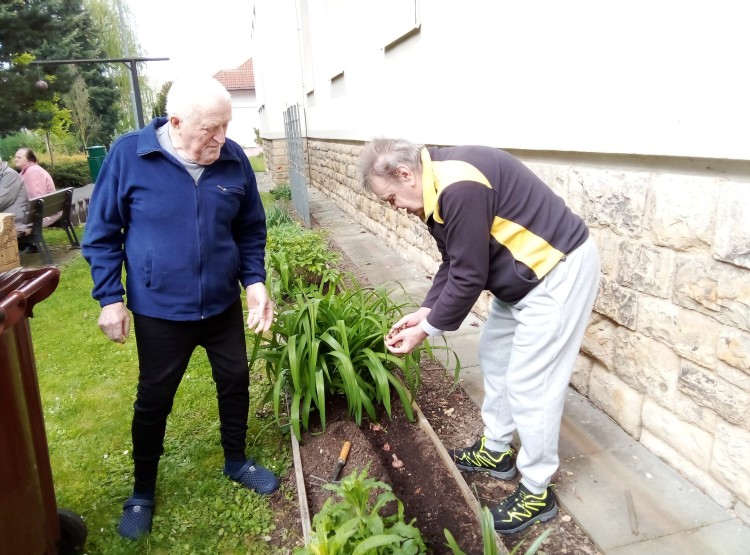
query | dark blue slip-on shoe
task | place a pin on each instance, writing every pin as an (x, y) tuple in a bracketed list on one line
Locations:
[(136, 518), (255, 477)]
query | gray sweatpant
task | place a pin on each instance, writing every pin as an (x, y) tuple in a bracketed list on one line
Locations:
[(527, 353)]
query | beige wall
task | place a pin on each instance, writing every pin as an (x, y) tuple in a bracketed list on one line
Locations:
[(667, 352)]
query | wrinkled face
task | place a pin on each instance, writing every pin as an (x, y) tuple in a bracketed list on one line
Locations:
[(404, 191), (200, 138), (20, 160)]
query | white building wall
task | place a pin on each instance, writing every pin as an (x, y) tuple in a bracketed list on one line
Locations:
[(637, 77), (635, 112), (245, 118)]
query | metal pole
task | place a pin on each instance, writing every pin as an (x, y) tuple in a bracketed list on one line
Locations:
[(136, 91)]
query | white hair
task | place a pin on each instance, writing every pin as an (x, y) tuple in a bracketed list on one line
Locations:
[(191, 95)]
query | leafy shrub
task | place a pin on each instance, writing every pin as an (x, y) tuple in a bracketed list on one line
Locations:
[(294, 253), (69, 172), (282, 192), (329, 341), (276, 216), (354, 524)]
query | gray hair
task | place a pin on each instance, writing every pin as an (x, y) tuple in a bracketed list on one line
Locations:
[(191, 95), (381, 158)]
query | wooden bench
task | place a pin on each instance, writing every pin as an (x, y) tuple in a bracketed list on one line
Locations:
[(47, 206)]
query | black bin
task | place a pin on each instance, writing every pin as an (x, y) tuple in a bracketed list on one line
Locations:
[(30, 521)]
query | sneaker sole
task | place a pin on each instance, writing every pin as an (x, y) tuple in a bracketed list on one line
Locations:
[(544, 517), (507, 475)]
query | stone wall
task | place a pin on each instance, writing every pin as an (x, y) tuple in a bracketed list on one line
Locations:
[(667, 352), (277, 163)]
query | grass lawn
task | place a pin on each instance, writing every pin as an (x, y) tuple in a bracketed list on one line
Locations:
[(88, 386)]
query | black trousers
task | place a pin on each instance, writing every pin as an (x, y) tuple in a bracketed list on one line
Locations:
[(164, 350)]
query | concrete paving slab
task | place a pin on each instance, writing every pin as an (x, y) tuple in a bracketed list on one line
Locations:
[(471, 382), (595, 491), (464, 346), (722, 538), (586, 430)]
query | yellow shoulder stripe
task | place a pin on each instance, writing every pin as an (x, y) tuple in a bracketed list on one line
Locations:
[(448, 172)]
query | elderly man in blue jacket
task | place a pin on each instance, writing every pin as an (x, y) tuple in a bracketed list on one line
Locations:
[(177, 205)]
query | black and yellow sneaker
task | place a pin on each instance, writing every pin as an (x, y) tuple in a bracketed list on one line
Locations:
[(478, 458), (522, 509)]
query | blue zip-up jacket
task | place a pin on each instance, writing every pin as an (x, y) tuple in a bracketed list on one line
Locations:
[(186, 247)]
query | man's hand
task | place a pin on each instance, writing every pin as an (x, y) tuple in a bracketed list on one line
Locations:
[(259, 308), (114, 321), (406, 334)]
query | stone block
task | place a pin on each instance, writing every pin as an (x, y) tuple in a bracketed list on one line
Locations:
[(646, 268), (599, 341), (732, 238), (700, 478), (581, 374), (688, 410), (646, 365), (734, 348), (709, 390), (682, 211), (719, 290), (729, 462), (691, 335), (617, 302), (610, 198), (620, 401), (691, 442)]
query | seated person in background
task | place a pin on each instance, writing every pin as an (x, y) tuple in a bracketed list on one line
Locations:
[(38, 181), (13, 197)]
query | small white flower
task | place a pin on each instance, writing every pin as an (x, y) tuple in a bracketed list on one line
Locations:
[(106, 455)]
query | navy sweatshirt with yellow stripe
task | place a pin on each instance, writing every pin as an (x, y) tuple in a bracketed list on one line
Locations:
[(497, 225)]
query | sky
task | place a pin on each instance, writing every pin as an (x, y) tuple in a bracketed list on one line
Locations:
[(197, 36)]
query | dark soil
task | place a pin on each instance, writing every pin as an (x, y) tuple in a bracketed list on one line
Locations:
[(426, 487)]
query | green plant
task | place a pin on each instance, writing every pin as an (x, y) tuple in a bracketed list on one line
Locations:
[(297, 253), (329, 341), (282, 192), (276, 216), (534, 547), (354, 525), (70, 172), (489, 538)]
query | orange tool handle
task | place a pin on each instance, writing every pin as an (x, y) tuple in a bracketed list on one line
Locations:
[(345, 451)]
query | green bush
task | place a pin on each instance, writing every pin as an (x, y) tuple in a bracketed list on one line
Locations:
[(354, 525), (329, 341), (282, 192), (276, 216), (293, 253), (70, 172)]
